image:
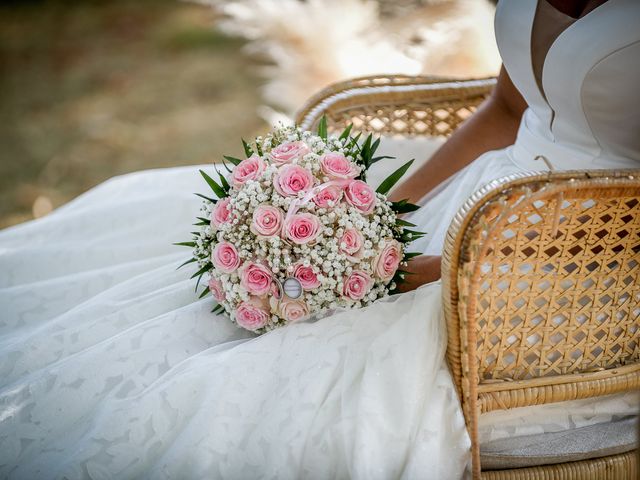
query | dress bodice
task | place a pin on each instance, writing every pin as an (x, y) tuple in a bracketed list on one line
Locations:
[(585, 110)]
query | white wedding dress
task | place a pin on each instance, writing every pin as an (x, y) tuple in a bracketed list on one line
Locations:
[(110, 367)]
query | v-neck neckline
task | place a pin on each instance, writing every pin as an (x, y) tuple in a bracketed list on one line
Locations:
[(575, 19), (566, 31), (560, 12)]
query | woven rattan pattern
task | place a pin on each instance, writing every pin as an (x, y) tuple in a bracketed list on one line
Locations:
[(555, 300), (615, 467), (397, 105), (541, 292)]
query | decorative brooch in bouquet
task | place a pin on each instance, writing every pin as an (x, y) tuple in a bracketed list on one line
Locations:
[(294, 229)]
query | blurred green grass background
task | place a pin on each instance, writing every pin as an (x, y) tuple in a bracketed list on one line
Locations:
[(93, 89)]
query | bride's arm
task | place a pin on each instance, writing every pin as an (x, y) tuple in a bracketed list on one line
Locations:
[(493, 126)]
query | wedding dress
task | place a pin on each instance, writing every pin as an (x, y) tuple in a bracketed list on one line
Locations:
[(110, 367)]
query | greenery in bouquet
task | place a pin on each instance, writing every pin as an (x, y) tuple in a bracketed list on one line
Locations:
[(294, 229)]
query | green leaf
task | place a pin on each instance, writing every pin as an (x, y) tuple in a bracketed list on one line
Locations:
[(366, 146), (248, 151), (204, 292), (212, 200), (186, 244), (217, 189), (225, 185), (403, 206), (233, 160), (322, 128), (204, 269), (401, 222), (200, 273), (369, 147), (404, 272), (208, 221), (375, 146), (377, 159), (398, 278), (191, 260), (392, 179), (354, 144), (217, 309), (365, 151), (224, 164), (345, 133), (411, 235)]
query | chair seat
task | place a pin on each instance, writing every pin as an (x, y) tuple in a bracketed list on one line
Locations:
[(573, 445)]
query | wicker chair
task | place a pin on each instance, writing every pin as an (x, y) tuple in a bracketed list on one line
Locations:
[(541, 272)]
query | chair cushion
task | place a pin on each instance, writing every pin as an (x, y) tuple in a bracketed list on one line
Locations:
[(567, 446), (557, 417)]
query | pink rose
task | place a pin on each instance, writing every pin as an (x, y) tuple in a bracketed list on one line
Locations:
[(225, 257), (306, 276), (338, 167), (292, 310), (361, 196), (221, 213), (253, 314), (267, 221), (302, 228), (215, 286), (255, 278), (326, 195), (248, 169), (388, 260), (351, 244), (357, 285), (288, 152), (292, 179)]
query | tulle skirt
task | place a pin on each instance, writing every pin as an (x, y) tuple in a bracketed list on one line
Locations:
[(111, 368)]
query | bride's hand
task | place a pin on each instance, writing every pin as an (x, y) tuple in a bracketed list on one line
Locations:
[(423, 269)]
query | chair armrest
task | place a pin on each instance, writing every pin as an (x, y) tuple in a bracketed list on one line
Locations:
[(397, 105)]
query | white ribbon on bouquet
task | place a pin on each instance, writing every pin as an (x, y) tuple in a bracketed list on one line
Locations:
[(300, 202)]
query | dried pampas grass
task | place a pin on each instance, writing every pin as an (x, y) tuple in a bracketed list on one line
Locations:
[(310, 44)]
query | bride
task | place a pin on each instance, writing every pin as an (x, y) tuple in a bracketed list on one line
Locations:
[(110, 369)]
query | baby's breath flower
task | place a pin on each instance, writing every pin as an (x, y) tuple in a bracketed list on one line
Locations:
[(325, 256)]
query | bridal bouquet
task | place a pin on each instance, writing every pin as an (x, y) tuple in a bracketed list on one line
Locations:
[(294, 229)]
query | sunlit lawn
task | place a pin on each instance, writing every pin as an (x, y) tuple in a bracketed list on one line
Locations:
[(89, 90)]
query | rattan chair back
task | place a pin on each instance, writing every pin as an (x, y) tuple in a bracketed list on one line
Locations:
[(541, 291), (396, 105)]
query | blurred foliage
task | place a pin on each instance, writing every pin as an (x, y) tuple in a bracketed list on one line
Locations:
[(92, 89)]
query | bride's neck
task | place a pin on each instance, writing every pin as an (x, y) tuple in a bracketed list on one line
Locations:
[(576, 8)]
